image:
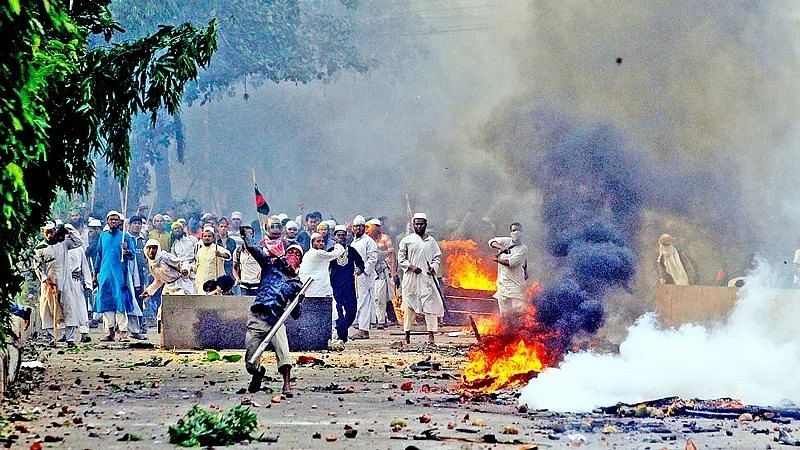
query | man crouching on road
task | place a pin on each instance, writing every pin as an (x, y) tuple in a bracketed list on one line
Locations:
[(276, 290)]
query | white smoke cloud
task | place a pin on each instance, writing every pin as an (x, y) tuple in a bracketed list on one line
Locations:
[(754, 356)]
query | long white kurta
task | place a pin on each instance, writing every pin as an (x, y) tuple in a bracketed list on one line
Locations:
[(368, 249), (419, 291), (53, 269), (315, 266), (73, 301)]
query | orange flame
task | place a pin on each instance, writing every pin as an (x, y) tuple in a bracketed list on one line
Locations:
[(465, 270), (506, 356), (513, 364)]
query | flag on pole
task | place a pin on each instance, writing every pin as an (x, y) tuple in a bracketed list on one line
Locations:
[(261, 204)]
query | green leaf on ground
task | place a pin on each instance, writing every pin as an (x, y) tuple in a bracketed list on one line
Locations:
[(211, 355), (232, 358)]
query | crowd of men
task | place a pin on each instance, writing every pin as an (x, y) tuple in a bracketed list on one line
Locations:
[(115, 272)]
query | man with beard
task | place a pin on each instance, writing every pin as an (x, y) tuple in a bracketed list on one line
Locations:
[(114, 298), (77, 222), (343, 271), (419, 257), (277, 288), (512, 273), (368, 250), (53, 269), (385, 269), (210, 259), (183, 245)]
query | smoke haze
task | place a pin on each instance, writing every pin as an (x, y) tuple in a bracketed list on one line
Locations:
[(754, 357)]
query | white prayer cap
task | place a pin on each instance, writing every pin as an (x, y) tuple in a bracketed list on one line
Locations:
[(181, 220), (315, 236), (152, 243), (208, 228), (374, 222), (291, 224), (359, 220), (114, 213), (59, 222), (340, 228), (421, 216), (158, 216), (236, 215), (95, 223), (49, 226), (295, 246), (283, 216), (167, 218)]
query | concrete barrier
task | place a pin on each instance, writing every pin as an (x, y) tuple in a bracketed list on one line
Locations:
[(220, 322), (708, 305)]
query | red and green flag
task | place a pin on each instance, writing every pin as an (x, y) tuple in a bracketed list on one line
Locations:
[(261, 203)]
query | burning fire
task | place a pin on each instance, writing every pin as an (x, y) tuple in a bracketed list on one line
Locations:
[(506, 357), (465, 270)]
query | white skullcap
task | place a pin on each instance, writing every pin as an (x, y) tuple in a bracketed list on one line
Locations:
[(95, 223), (152, 243), (315, 235), (340, 228), (295, 246), (113, 213), (181, 220), (291, 224), (208, 228), (359, 220), (282, 216), (374, 222), (49, 226), (236, 215), (420, 216), (158, 216), (167, 218)]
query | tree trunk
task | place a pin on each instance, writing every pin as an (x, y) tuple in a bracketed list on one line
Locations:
[(163, 183)]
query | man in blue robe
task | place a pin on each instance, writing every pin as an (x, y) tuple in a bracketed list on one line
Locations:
[(114, 297)]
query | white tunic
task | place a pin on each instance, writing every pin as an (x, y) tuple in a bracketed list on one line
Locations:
[(73, 301), (419, 290), (315, 265), (52, 266), (511, 278), (368, 249)]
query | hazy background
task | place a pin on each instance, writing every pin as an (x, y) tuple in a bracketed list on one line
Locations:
[(706, 93)]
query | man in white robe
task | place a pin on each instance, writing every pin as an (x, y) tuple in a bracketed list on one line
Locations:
[(368, 249), (74, 295), (419, 258), (53, 269), (167, 270), (511, 273)]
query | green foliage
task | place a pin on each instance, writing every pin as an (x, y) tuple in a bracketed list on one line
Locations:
[(203, 428), (63, 103)]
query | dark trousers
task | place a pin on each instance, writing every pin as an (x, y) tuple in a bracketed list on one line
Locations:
[(346, 310)]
